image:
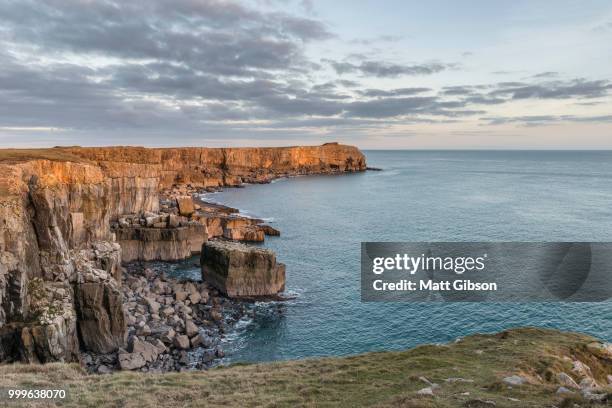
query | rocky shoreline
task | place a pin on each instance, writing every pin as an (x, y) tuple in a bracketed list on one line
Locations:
[(177, 324), (173, 324)]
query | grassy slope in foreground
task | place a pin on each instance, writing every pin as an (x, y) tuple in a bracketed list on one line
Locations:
[(373, 379)]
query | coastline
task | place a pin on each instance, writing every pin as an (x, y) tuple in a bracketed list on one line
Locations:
[(79, 226), (202, 314)]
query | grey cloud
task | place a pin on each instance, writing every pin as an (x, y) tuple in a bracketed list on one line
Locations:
[(484, 100), (540, 120), (215, 67), (547, 74), (392, 92), (391, 107), (375, 40), (503, 92), (578, 88), (221, 37), (388, 70), (458, 90), (348, 83)]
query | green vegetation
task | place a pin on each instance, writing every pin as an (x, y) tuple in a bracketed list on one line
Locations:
[(38, 298), (385, 379)]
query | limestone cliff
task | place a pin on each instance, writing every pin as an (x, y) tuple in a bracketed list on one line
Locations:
[(56, 210), (222, 166)]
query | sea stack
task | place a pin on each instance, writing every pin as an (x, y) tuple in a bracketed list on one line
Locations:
[(240, 270)]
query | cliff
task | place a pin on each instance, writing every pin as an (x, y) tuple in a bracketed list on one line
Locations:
[(218, 167), (57, 209)]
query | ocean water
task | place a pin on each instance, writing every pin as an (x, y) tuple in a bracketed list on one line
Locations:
[(420, 196)]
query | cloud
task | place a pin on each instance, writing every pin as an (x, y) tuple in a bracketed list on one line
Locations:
[(393, 92), (603, 27), (388, 70), (577, 88), (220, 37), (547, 74), (225, 68), (503, 92), (541, 120), (377, 40)]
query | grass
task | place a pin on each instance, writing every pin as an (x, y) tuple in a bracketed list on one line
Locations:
[(11, 156), (385, 379)]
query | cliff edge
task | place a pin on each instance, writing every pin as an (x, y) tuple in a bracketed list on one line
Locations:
[(518, 368)]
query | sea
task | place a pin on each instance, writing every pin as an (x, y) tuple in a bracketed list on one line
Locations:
[(418, 196)]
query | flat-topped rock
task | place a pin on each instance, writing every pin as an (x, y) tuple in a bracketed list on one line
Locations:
[(240, 270), (161, 244), (251, 233)]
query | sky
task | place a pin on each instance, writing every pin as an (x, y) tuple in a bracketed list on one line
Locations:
[(393, 74)]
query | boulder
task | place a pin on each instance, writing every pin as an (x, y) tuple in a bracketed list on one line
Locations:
[(588, 383), (270, 231), (429, 391), (101, 319), (161, 347), (196, 341), (148, 351), (102, 369), (216, 315), (566, 380), (144, 330), (601, 350), (168, 336), (107, 256), (180, 295), (190, 328), (514, 380), (195, 297), (185, 206), (182, 342), (250, 233), (173, 221), (241, 271), (581, 369), (201, 340), (153, 305), (131, 361)]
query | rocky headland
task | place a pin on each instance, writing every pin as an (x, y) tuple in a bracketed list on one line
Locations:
[(82, 228)]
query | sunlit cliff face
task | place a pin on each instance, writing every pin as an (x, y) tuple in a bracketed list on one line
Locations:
[(229, 73)]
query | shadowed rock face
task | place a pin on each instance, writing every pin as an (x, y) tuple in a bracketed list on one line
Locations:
[(51, 333), (242, 271), (56, 209), (101, 318)]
